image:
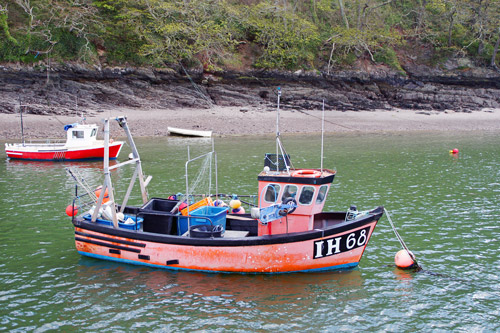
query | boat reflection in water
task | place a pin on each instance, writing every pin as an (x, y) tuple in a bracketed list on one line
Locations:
[(236, 287), (19, 165)]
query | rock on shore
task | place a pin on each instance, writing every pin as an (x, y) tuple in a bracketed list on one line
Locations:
[(69, 89)]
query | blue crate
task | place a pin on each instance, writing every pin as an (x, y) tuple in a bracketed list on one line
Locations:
[(200, 216), (135, 226)]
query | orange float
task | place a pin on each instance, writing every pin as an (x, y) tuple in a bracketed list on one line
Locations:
[(404, 260), (71, 210), (97, 192), (307, 173)]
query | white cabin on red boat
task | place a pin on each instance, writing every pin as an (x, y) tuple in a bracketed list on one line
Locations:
[(78, 135)]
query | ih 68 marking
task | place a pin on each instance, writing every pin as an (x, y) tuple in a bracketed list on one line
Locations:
[(330, 246)]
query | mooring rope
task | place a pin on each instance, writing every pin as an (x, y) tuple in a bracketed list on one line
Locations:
[(400, 238)]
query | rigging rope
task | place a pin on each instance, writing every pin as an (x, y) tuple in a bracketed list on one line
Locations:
[(197, 89)]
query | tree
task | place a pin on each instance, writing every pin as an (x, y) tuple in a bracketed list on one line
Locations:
[(4, 13), (495, 52), (287, 40), (48, 22)]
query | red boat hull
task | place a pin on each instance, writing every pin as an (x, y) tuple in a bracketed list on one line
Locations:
[(339, 250), (66, 154)]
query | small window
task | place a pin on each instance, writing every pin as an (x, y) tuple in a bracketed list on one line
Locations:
[(290, 191), (78, 134), (306, 196), (323, 190), (272, 192), (94, 132)]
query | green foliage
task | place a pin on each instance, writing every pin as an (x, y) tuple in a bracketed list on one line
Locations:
[(67, 44), (287, 40), (441, 54), (485, 56), (354, 40), (388, 56), (4, 26), (278, 34)]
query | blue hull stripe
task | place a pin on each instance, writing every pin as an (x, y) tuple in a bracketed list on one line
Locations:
[(140, 263)]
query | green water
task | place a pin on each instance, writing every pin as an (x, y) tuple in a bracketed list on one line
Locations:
[(446, 209)]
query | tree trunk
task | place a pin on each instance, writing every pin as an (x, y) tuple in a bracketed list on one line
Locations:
[(450, 26), (495, 51), (342, 12)]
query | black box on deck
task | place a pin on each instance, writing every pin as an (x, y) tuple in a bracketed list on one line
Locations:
[(157, 204), (157, 216), (129, 210), (233, 222), (161, 223)]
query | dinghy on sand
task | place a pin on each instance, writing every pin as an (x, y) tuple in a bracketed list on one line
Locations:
[(188, 132)]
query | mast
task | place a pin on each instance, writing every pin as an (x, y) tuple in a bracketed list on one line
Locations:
[(322, 133), (122, 121), (278, 130), (21, 114), (279, 145)]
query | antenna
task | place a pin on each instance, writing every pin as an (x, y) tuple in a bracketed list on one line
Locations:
[(278, 129), (322, 133), (21, 114), (279, 145)]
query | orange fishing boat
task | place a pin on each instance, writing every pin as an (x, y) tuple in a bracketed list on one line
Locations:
[(286, 231)]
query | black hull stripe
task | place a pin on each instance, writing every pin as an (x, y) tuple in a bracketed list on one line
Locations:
[(247, 241), (109, 239), (119, 247)]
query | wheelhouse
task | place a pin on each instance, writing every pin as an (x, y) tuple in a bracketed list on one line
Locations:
[(307, 188), (78, 134)]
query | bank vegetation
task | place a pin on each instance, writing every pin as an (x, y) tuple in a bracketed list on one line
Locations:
[(249, 34)]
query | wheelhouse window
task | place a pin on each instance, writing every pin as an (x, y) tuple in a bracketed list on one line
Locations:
[(94, 132), (306, 195), (272, 192), (323, 190), (77, 134), (290, 191)]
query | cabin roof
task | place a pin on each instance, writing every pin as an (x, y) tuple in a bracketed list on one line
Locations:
[(293, 177)]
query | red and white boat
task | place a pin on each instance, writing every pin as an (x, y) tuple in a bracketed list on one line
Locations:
[(81, 144), (287, 231)]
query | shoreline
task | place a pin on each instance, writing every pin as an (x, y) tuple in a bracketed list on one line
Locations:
[(242, 121)]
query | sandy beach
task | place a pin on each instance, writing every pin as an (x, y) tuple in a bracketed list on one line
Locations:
[(228, 121)]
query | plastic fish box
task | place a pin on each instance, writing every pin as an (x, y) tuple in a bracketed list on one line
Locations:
[(203, 202), (158, 204), (132, 226), (203, 216)]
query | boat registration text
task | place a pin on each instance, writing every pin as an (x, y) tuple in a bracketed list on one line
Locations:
[(330, 246)]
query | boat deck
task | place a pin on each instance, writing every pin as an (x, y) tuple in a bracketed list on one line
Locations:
[(163, 222)]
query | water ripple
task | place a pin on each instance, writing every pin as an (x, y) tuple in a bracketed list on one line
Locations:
[(446, 209)]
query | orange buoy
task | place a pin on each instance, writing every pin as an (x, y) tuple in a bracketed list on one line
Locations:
[(71, 211), (97, 193), (404, 260)]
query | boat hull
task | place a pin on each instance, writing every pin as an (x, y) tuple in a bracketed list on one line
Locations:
[(336, 248), (188, 132), (63, 154)]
